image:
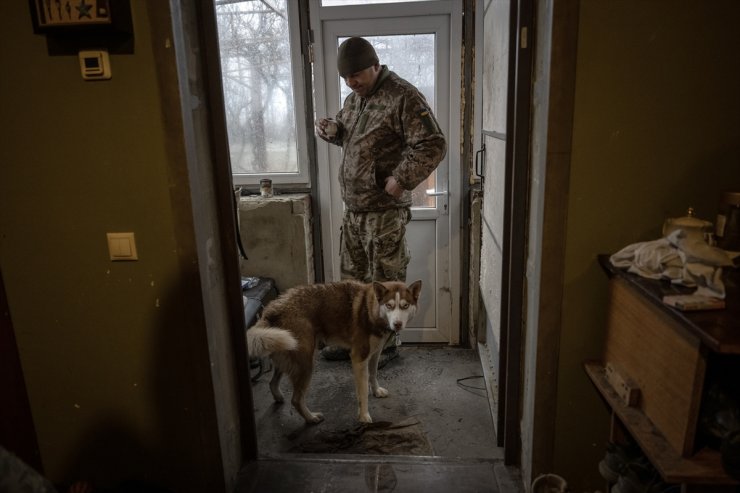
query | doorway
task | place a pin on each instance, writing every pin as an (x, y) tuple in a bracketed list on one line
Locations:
[(423, 44), (439, 388), (454, 231)]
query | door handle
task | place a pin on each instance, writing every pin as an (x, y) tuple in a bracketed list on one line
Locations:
[(480, 162), (431, 192), (434, 193)]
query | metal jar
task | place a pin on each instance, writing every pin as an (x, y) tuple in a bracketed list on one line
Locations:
[(266, 187)]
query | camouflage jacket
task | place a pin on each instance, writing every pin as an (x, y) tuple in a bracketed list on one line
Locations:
[(392, 131)]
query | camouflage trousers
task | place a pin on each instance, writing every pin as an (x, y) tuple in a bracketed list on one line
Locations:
[(373, 245)]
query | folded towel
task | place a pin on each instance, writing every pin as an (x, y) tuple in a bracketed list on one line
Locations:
[(682, 258)]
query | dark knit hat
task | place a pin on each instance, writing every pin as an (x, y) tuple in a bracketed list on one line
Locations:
[(355, 54)]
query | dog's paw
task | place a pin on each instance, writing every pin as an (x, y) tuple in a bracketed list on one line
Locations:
[(314, 418), (365, 418), (380, 392)]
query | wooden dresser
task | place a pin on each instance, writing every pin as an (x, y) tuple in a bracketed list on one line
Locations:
[(670, 357)]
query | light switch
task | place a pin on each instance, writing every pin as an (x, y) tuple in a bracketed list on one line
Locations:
[(122, 246)]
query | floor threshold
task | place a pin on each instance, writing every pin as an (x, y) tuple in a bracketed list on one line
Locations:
[(399, 474), (379, 459)]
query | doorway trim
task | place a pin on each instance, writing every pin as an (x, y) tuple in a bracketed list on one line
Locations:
[(515, 237), (207, 146)]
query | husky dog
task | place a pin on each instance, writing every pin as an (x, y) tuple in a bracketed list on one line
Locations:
[(360, 317)]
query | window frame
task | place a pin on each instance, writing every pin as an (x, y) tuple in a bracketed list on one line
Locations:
[(303, 60), (302, 178)]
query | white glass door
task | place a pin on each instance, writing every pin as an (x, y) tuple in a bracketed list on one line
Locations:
[(418, 49)]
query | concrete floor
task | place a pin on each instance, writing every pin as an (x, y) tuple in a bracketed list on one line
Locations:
[(437, 396)]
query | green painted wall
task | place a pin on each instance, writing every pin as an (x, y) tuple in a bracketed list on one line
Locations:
[(656, 129), (115, 354)]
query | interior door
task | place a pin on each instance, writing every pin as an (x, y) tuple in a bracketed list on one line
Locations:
[(506, 129), (434, 249), (496, 192)]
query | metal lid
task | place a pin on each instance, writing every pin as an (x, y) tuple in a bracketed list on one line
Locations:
[(689, 222)]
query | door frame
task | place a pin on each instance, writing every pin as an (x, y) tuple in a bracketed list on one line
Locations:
[(518, 125), (208, 147)]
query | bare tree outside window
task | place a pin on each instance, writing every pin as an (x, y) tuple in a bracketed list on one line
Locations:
[(258, 85), (336, 3)]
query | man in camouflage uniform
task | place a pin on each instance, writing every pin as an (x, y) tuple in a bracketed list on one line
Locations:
[(390, 142)]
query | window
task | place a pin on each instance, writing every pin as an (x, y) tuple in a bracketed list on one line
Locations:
[(263, 86), (336, 3)]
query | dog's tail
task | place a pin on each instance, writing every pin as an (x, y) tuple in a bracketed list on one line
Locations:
[(263, 341)]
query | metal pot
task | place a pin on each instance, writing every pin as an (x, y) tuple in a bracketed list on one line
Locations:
[(691, 225)]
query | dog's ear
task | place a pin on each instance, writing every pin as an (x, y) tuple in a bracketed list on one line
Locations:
[(379, 289), (415, 289)]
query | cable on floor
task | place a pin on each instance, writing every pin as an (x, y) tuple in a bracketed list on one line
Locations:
[(471, 388)]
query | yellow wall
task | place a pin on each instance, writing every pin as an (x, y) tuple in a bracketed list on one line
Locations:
[(656, 129), (115, 354)]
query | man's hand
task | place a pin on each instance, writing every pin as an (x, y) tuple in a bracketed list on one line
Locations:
[(393, 188), (320, 126), (323, 128)]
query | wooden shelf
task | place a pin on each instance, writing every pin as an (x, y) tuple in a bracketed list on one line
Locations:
[(719, 330), (704, 467)]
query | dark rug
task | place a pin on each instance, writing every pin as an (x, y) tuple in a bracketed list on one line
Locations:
[(382, 438)]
